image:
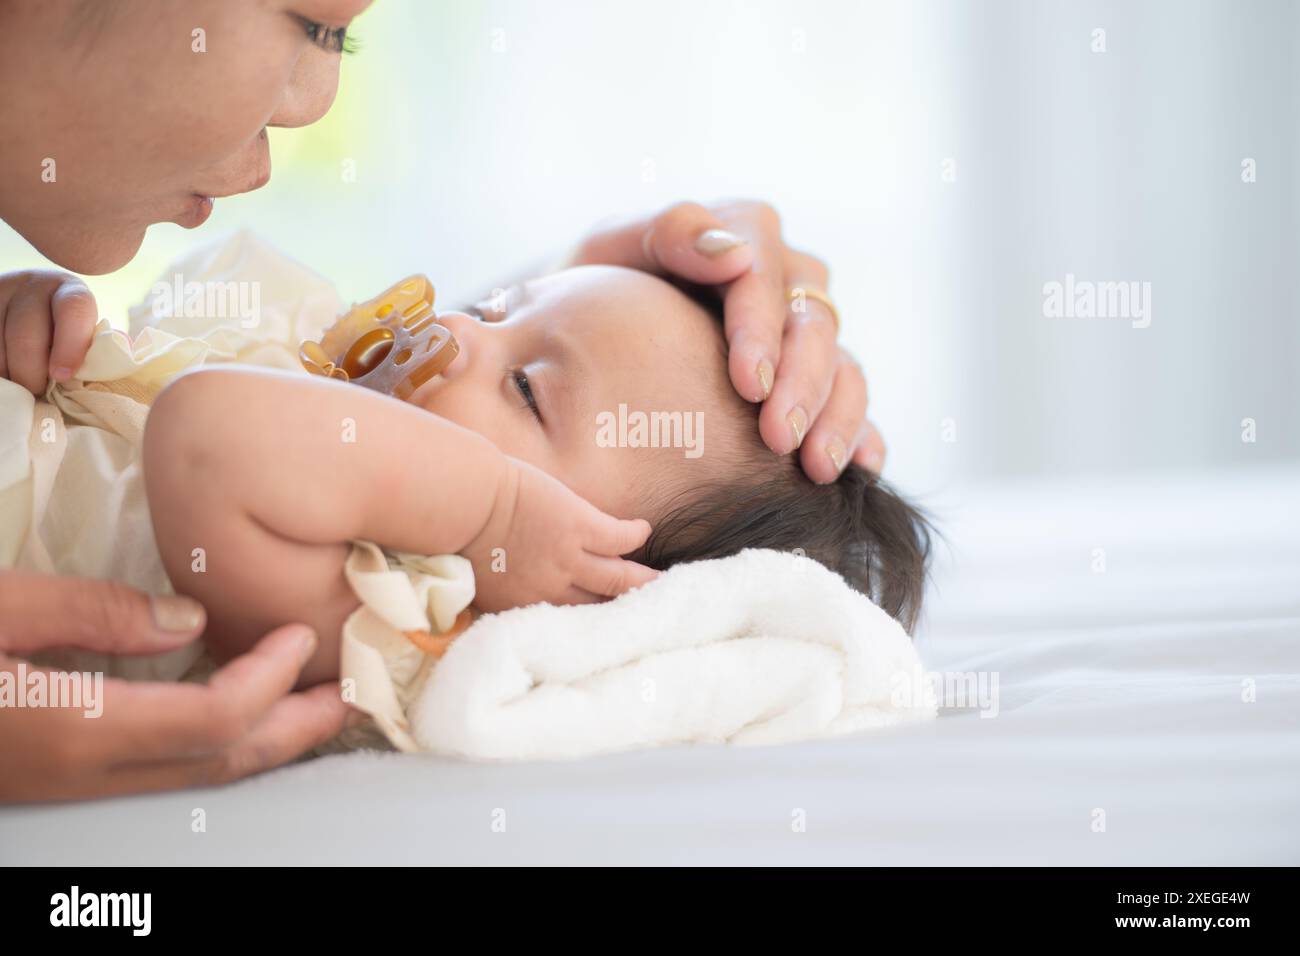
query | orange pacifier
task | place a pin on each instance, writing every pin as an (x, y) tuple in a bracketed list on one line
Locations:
[(392, 343)]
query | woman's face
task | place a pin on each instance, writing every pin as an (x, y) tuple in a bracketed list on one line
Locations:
[(118, 115)]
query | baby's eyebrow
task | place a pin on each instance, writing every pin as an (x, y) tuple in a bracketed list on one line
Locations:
[(569, 386)]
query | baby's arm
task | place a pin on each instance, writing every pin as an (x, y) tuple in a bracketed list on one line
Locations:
[(271, 475)]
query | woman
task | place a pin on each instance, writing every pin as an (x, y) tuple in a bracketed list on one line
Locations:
[(117, 115)]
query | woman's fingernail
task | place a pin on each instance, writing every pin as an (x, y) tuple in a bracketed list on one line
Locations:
[(798, 420), (306, 639), (60, 373), (180, 615), (716, 242), (835, 448), (765, 379)]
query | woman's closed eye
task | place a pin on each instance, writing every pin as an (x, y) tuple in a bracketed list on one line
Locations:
[(329, 39)]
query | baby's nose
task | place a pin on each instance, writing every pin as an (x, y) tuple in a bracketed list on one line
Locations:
[(463, 329)]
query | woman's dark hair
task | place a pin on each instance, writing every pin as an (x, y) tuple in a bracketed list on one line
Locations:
[(857, 525)]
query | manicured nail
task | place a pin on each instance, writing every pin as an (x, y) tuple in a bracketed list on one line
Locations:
[(835, 449), (177, 614), (798, 420), (60, 373), (717, 242), (765, 379), (306, 639), (874, 461)]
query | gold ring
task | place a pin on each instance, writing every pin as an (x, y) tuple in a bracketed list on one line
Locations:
[(796, 293)]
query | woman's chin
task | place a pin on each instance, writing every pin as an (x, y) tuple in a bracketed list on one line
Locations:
[(92, 252)]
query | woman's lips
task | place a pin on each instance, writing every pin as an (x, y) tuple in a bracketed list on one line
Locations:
[(198, 207)]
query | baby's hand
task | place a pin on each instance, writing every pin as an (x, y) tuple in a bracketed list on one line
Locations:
[(543, 542), (47, 320)]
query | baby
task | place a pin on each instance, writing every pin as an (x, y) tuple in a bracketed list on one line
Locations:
[(516, 457)]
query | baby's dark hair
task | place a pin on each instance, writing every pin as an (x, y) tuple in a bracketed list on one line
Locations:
[(857, 526)]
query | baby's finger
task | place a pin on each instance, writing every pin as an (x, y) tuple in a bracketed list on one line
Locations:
[(825, 451), (615, 536), (576, 595), (611, 576), (75, 315), (27, 336), (685, 240)]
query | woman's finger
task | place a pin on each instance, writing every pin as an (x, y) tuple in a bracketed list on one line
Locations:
[(831, 439), (754, 305), (685, 240), (75, 315), (165, 721), (809, 359), (870, 453), (40, 611), (295, 724)]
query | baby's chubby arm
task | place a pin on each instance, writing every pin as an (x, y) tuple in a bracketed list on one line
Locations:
[(272, 475)]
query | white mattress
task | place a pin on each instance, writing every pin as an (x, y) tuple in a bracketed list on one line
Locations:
[(1119, 691)]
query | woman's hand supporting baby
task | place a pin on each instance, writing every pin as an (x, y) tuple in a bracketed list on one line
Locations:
[(146, 735), (137, 735)]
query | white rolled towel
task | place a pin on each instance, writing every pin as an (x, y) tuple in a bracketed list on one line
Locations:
[(762, 647)]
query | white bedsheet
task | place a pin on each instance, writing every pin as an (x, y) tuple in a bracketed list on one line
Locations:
[(1120, 691)]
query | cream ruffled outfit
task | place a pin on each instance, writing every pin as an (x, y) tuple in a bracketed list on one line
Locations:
[(72, 498)]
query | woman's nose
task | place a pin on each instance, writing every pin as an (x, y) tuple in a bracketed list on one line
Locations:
[(312, 87)]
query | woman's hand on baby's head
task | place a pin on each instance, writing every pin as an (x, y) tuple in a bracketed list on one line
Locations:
[(544, 542), (47, 320), (780, 354)]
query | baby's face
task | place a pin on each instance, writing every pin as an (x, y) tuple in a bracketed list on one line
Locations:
[(545, 378)]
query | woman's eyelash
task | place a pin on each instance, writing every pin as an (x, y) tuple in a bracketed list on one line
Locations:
[(330, 39), (525, 389)]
